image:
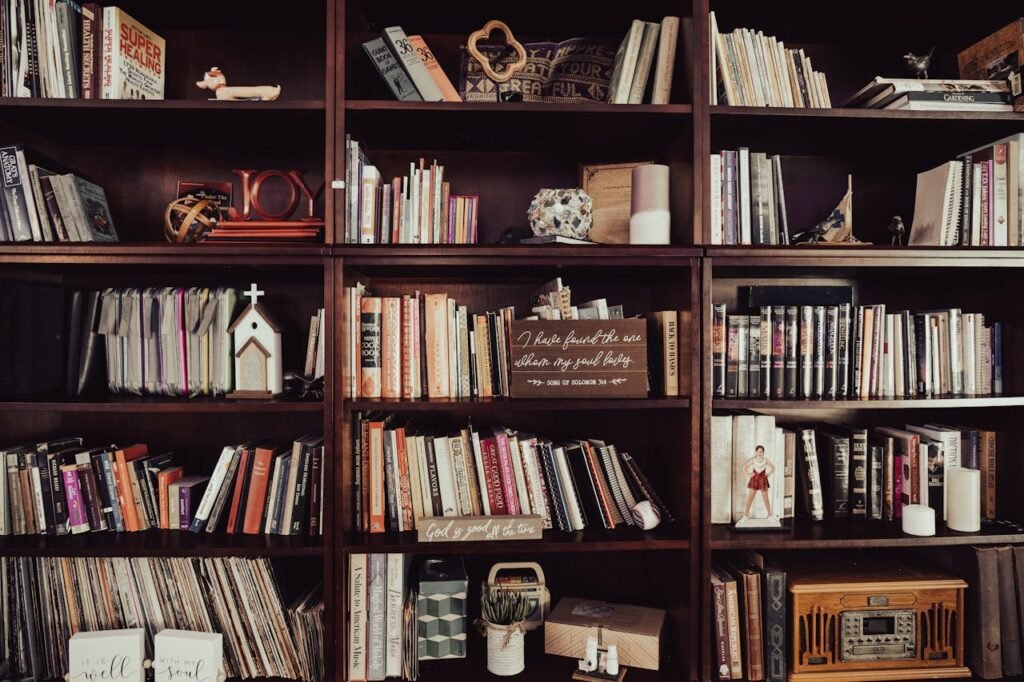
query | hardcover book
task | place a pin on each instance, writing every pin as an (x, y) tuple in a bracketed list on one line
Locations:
[(134, 58)]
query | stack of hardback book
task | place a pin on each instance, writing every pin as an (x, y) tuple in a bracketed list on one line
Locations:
[(48, 599), (826, 352), (841, 471), (975, 200), (754, 70), (42, 206), (414, 209), (60, 487), (403, 476), (748, 199), (924, 94), (633, 76)]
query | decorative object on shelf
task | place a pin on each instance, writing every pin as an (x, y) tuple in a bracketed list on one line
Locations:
[(217, 81), (217, 192), (513, 235), (564, 212), (635, 631), (609, 186), (189, 655), (526, 578), (897, 229), (441, 609), (479, 528), (258, 220), (837, 228), (964, 500), (999, 55), (108, 655), (919, 63), (509, 70), (646, 515), (189, 219), (257, 340), (918, 519), (600, 663), (299, 387), (578, 358), (757, 472), (502, 616), (650, 219), (882, 620)]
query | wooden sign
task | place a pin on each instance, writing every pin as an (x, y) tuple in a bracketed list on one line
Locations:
[(187, 656), (579, 358), (479, 528), (107, 656)]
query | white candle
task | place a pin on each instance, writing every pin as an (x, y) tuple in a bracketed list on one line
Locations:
[(918, 519), (964, 512), (650, 219)]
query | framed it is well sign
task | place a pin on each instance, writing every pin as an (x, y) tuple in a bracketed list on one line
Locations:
[(579, 358)]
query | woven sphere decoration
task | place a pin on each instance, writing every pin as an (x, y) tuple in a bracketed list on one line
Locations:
[(563, 212), (189, 219)]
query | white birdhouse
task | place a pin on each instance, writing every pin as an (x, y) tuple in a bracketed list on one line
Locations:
[(257, 351)]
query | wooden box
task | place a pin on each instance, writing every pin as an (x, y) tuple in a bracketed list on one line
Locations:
[(579, 358), (635, 630)]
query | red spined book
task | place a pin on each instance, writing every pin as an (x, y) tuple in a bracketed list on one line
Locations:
[(123, 483), (241, 481), (492, 474), (508, 474), (262, 460)]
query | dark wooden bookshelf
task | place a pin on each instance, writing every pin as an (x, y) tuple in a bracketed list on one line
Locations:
[(870, 404), (518, 404), (159, 543)]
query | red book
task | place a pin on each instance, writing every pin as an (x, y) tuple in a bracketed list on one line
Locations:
[(508, 474), (364, 455), (262, 459), (405, 487), (244, 468), (492, 474), (164, 479)]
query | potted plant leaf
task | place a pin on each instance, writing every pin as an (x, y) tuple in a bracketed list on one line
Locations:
[(502, 616)]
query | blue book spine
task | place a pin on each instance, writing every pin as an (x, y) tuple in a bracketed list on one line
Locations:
[(108, 480)]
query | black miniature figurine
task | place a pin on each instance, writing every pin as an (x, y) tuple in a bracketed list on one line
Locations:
[(919, 63), (897, 229)]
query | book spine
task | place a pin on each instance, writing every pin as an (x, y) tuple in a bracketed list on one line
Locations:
[(77, 519), (716, 199), (806, 351), (766, 351), (722, 657), (859, 474), (391, 351), (777, 379), (791, 357), (414, 67), (732, 610), (730, 190), (754, 627), (377, 616), (775, 624), (811, 484), (508, 484), (840, 452), (818, 386), (301, 493), (753, 328), (370, 347), (718, 351), (661, 89), (357, 616)]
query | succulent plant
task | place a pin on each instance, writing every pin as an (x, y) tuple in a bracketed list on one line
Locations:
[(502, 607)]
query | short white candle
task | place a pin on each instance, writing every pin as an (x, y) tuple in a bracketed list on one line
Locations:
[(918, 519), (964, 513)]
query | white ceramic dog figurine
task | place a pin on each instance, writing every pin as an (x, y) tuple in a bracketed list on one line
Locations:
[(215, 80)]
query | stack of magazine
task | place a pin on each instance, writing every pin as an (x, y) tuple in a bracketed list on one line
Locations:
[(930, 94)]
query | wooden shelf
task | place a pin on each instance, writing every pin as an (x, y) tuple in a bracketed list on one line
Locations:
[(620, 540), (160, 543), (802, 533), (386, 124), (517, 404), (148, 404), (871, 404), (865, 256), (515, 256), (162, 253), (188, 122)]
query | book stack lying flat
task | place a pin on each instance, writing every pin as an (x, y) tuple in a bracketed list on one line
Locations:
[(825, 352), (754, 70), (975, 200), (48, 599), (403, 476), (59, 487), (748, 198), (415, 209), (841, 471), (924, 94)]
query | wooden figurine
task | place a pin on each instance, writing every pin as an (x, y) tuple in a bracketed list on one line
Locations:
[(215, 80), (257, 351)]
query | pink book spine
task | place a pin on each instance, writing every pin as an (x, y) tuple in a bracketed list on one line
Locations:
[(508, 475), (77, 518), (897, 487)]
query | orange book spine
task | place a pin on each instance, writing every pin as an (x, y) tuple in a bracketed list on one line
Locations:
[(164, 479), (236, 495), (437, 345), (391, 347), (376, 478), (448, 90), (406, 347), (404, 482), (124, 485), (254, 503)]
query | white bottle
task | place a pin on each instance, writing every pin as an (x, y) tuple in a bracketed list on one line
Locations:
[(612, 662), (650, 220)]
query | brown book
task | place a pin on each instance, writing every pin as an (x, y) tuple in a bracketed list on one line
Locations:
[(978, 566), (369, 347), (123, 483), (732, 619), (241, 480), (684, 344), (448, 90), (664, 335), (987, 462), (752, 624), (262, 462), (1009, 622), (436, 321), (391, 347), (163, 480), (1018, 572)]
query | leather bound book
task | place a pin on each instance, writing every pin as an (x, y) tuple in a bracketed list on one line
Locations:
[(982, 627), (1009, 621), (238, 495), (752, 623)]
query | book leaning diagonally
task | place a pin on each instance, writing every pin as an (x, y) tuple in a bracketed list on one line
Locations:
[(664, 65), (625, 64), (645, 58), (936, 205)]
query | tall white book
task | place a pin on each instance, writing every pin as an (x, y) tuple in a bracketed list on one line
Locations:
[(357, 595), (721, 468), (377, 569), (399, 43), (625, 64), (393, 619)]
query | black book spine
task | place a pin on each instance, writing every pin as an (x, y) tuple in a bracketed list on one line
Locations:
[(921, 339), (732, 360), (554, 489), (47, 494), (301, 500), (818, 388), (718, 351), (775, 599), (792, 345), (60, 510), (910, 354), (858, 349), (390, 484), (843, 352), (777, 381), (831, 366), (492, 331), (90, 497), (754, 356), (876, 484), (806, 351), (838, 449), (767, 353), (433, 480), (584, 483), (859, 473), (106, 504)]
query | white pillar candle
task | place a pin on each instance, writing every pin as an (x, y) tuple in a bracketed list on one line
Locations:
[(650, 219), (918, 519), (964, 513)]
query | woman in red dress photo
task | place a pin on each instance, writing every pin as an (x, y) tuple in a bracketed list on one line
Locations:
[(760, 469)]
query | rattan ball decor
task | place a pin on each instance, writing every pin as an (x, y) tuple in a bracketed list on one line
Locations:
[(189, 219)]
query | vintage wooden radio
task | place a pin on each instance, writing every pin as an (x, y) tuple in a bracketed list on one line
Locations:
[(885, 623)]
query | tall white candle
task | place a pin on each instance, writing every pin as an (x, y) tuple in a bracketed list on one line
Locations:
[(964, 513), (918, 519)]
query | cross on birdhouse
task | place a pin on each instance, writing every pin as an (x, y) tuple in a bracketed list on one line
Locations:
[(254, 293)]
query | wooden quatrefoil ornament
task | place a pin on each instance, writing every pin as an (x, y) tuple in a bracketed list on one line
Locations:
[(506, 74)]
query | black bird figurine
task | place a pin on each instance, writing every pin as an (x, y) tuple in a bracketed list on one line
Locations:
[(897, 229), (919, 63)]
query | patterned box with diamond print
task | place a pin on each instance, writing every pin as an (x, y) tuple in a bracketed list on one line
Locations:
[(441, 609)]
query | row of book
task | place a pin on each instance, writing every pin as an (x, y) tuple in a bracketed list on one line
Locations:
[(931, 94), (845, 351), (60, 487), (42, 206), (754, 70), (66, 50), (763, 470), (383, 628), (417, 208), (975, 200), (632, 76), (748, 199), (403, 476), (48, 599)]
